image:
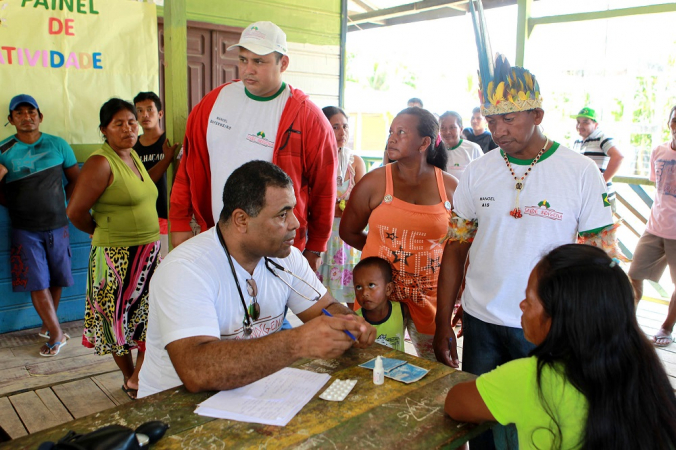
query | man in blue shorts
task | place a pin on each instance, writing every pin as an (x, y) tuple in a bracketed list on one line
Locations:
[(32, 165)]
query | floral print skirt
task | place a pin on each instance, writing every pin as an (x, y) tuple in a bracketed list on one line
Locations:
[(337, 264)]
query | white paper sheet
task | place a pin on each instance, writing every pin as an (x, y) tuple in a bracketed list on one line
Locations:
[(273, 400)]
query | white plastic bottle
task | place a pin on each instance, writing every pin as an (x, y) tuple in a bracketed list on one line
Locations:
[(378, 372)]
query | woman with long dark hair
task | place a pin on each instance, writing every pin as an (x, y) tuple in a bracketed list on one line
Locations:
[(339, 259), (406, 205), (593, 381)]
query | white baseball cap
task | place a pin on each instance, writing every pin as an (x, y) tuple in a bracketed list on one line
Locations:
[(263, 38)]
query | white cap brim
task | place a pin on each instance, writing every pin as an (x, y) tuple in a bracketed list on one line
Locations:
[(257, 49)]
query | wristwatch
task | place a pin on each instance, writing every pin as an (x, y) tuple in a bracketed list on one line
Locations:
[(315, 252)]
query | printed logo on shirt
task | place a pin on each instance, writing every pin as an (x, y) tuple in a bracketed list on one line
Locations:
[(606, 202), (391, 342), (665, 173), (259, 138), (543, 210), (220, 122)]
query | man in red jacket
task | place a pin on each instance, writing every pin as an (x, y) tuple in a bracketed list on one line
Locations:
[(258, 118)]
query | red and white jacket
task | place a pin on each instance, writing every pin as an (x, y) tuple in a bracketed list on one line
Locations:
[(305, 148)]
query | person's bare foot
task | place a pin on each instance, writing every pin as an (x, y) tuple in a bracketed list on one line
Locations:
[(129, 389)]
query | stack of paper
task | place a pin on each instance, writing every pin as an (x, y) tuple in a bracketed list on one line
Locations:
[(273, 400)]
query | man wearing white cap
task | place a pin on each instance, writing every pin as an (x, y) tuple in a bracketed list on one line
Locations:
[(258, 118)]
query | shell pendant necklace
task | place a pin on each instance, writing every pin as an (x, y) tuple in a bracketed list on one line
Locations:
[(516, 212)]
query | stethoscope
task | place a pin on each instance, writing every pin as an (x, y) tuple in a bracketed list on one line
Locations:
[(271, 265)]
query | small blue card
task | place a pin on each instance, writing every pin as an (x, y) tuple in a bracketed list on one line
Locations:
[(408, 373), (388, 364)]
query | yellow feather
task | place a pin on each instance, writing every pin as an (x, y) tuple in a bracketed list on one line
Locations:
[(522, 95), (529, 80), (499, 92)]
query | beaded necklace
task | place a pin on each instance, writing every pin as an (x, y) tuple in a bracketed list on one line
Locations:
[(516, 212)]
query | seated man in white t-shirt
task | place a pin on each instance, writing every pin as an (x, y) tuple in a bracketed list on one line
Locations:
[(217, 301)]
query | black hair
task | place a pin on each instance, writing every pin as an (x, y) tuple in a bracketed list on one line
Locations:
[(673, 110), (247, 185), (436, 154), (605, 355), (415, 100), (453, 114), (278, 57), (373, 261), (330, 111), (112, 107), (143, 96), (476, 110)]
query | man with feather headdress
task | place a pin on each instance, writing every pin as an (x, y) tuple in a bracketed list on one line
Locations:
[(511, 206)]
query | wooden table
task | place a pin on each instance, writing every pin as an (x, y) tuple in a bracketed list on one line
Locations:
[(393, 415)]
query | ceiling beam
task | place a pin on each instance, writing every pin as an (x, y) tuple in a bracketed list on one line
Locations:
[(441, 10), (401, 10)]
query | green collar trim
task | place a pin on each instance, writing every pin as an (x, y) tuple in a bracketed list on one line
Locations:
[(459, 143), (265, 99), (527, 162)]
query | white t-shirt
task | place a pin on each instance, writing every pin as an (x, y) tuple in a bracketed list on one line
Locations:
[(461, 155), (663, 173), (242, 128), (193, 293), (563, 194)]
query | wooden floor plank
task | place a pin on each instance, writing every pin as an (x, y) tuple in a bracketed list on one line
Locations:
[(82, 397), (53, 403), (9, 420), (30, 336), (30, 354), (51, 366), (35, 414), (111, 385), (36, 382)]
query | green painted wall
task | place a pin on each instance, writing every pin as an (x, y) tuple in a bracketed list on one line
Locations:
[(304, 21)]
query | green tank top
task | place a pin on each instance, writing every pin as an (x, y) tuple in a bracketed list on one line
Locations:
[(390, 331), (125, 214)]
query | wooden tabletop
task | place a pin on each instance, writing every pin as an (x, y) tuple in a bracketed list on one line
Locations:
[(393, 415)]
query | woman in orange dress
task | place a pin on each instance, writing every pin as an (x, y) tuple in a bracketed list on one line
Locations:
[(406, 205)]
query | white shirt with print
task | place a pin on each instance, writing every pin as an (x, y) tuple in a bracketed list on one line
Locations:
[(193, 293), (563, 194), (461, 155), (242, 128)]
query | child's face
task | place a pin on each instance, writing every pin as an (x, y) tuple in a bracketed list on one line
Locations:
[(534, 320), (370, 287)]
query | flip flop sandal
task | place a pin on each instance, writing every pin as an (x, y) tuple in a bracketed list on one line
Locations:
[(44, 335), (662, 339), (131, 393), (59, 345)]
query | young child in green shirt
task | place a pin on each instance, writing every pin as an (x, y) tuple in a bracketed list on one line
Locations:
[(372, 279)]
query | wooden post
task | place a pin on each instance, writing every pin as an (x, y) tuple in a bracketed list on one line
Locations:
[(175, 74), (522, 30)]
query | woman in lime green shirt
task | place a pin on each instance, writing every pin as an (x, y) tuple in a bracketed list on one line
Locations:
[(593, 381), (121, 195)]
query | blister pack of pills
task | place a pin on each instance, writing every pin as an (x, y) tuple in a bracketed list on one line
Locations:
[(338, 390)]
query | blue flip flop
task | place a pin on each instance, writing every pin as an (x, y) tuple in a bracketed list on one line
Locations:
[(56, 344)]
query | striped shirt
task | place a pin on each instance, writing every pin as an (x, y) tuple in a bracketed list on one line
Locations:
[(596, 147)]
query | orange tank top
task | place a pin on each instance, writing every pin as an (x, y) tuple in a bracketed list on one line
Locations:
[(408, 235)]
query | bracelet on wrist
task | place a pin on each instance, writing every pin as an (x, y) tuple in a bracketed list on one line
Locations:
[(315, 252)]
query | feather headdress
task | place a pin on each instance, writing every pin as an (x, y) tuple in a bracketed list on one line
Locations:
[(504, 88)]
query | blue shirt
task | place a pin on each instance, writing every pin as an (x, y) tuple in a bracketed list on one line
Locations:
[(34, 183)]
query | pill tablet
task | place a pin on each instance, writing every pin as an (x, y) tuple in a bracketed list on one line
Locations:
[(338, 390)]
